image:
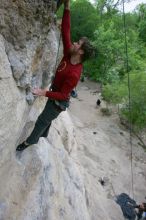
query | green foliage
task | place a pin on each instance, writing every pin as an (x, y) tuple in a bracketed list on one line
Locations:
[(92, 69), (118, 93), (84, 19), (142, 30), (138, 97)]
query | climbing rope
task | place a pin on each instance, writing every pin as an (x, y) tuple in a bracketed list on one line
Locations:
[(55, 67), (129, 97)]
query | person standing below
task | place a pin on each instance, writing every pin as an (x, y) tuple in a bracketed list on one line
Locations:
[(66, 78)]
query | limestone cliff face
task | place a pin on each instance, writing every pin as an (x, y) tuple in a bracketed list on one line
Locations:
[(29, 39), (28, 47), (42, 183)]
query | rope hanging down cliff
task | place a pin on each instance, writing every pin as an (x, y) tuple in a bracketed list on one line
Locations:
[(129, 98)]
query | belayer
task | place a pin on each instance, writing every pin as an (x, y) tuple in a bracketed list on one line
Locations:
[(128, 206), (66, 78)]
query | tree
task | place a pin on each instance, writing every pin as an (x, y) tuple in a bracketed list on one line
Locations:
[(141, 11), (84, 19)]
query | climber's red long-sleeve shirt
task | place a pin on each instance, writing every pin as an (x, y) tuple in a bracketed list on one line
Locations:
[(67, 75)]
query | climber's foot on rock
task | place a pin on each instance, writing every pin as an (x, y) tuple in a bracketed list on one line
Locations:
[(22, 146)]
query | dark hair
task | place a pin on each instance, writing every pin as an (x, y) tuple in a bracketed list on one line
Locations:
[(87, 47)]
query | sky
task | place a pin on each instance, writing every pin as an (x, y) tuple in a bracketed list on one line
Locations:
[(129, 6)]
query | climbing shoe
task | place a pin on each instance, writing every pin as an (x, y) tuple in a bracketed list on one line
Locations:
[(22, 146)]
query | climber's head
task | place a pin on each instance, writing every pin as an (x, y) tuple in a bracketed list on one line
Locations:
[(87, 47), (82, 48)]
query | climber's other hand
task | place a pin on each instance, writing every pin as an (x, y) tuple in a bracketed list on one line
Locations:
[(39, 92)]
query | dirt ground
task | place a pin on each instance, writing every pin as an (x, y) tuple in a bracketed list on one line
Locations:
[(104, 147)]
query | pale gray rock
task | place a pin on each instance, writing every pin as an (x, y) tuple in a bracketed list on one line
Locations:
[(45, 181), (25, 81), (29, 97), (12, 106), (30, 37), (17, 66), (5, 70)]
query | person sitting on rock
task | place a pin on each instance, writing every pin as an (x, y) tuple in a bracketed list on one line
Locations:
[(66, 78)]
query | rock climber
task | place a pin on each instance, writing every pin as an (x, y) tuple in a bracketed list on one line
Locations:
[(66, 78)]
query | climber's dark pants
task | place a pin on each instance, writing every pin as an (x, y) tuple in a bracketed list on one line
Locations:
[(43, 123)]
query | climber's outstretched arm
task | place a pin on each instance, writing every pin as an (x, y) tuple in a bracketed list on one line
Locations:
[(65, 27)]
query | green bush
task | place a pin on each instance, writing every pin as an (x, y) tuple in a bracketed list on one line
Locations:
[(118, 93)]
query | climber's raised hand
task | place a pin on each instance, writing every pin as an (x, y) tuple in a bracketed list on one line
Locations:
[(66, 4), (66, 1)]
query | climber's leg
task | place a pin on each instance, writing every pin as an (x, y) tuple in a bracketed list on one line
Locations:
[(50, 112), (42, 125), (45, 133)]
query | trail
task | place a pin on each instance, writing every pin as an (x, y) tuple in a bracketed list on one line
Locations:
[(104, 150)]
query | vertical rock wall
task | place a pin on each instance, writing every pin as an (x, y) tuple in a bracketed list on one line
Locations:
[(28, 48), (30, 41)]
